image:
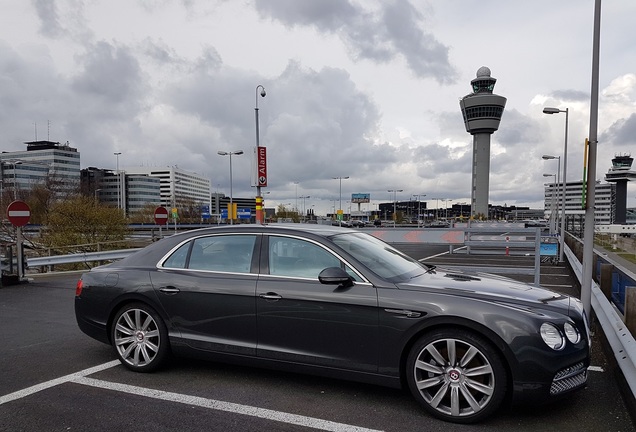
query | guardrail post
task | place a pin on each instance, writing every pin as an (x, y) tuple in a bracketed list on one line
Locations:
[(606, 280), (630, 308)]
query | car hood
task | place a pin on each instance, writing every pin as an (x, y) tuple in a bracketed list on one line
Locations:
[(489, 287)]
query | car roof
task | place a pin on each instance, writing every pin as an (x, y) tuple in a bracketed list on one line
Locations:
[(318, 229)]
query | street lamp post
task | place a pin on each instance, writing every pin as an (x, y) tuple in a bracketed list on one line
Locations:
[(552, 204), (304, 197), (446, 201), (230, 211), (340, 208), (419, 207), (395, 191), (15, 179), (259, 197), (548, 110), (118, 180), (559, 192)]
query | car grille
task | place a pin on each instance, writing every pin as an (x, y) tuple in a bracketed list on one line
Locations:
[(569, 378)]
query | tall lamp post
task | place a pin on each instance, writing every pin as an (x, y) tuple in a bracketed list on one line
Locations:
[(419, 207), (548, 110), (552, 204), (340, 208), (230, 211), (304, 197), (395, 191), (560, 191), (118, 180), (15, 179), (259, 197)]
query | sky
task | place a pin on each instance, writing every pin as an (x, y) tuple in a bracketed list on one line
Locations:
[(365, 89)]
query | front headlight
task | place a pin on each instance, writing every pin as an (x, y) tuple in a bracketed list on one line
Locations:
[(572, 333), (552, 336)]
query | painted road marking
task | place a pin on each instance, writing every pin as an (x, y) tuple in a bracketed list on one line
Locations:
[(48, 384), (263, 413), (279, 416)]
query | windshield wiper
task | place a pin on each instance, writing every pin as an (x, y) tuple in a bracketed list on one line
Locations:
[(431, 268)]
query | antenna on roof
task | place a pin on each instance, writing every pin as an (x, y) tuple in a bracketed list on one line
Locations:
[(35, 128), (48, 130)]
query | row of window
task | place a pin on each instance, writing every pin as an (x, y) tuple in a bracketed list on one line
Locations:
[(287, 256), (483, 111)]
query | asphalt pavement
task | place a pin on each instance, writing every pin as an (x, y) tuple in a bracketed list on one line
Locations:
[(55, 378)]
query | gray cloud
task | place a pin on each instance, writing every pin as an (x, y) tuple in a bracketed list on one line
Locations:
[(47, 13), (396, 30), (621, 133), (571, 95)]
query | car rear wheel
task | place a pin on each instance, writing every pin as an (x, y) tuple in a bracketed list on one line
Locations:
[(456, 375), (140, 338)]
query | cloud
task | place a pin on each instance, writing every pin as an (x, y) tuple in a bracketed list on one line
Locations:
[(395, 30), (621, 133), (47, 13)]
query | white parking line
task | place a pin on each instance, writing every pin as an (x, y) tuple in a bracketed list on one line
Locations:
[(48, 384), (81, 378), (263, 413)]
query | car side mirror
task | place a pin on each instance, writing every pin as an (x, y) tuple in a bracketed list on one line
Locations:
[(335, 276)]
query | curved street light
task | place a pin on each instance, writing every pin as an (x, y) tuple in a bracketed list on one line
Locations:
[(340, 208), (419, 207), (395, 191), (230, 211), (548, 110)]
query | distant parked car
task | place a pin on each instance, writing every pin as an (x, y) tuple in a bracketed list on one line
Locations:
[(358, 223), (340, 303)]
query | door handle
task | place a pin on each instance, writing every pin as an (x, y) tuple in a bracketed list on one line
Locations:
[(270, 296), (169, 290)]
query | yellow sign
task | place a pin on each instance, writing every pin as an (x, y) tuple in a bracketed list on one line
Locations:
[(231, 211)]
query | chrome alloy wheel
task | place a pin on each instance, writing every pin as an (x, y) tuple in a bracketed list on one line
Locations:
[(137, 337), (457, 377)]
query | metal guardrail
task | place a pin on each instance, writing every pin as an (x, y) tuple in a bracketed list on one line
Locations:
[(618, 335), (84, 257)]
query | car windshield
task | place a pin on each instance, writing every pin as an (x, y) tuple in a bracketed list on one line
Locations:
[(379, 257)]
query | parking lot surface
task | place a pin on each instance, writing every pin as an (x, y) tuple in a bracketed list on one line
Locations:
[(55, 378)]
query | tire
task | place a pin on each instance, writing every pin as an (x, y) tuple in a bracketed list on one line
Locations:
[(456, 375), (140, 338)]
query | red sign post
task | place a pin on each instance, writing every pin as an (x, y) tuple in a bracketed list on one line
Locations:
[(18, 213), (161, 216)]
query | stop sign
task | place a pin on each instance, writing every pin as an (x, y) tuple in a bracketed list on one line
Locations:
[(18, 213), (161, 216)]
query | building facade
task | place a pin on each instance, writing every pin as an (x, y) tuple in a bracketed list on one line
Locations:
[(177, 185), (43, 162), (605, 205)]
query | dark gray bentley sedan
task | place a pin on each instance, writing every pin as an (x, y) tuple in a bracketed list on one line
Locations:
[(340, 303)]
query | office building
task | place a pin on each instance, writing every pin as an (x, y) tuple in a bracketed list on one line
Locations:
[(42, 163)]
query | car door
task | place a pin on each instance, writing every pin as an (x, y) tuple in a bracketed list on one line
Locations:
[(207, 286), (302, 320)]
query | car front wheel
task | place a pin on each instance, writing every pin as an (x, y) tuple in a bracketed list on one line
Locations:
[(456, 375), (140, 338)]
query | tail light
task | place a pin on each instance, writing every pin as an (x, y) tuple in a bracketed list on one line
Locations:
[(78, 288)]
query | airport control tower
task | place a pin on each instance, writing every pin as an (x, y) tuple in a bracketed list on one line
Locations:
[(482, 111), (620, 173)]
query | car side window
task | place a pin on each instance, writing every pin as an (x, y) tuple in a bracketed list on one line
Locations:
[(225, 253), (178, 258), (299, 258)]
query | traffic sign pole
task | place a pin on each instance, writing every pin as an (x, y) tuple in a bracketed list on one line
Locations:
[(19, 213), (161, 218)]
